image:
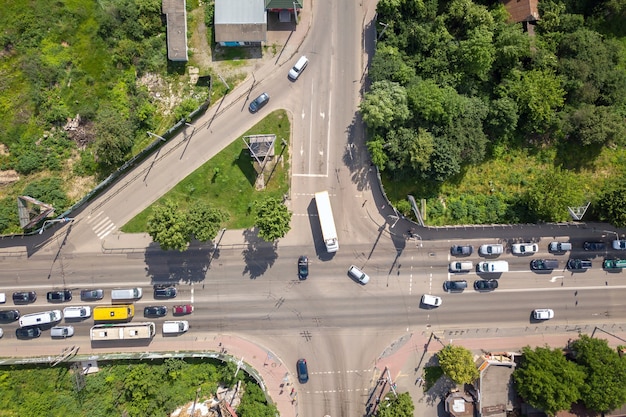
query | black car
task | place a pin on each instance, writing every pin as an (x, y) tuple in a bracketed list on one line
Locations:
[(303, 372), (59, 296), (594, 246), (458, 285), (91, 295), (578, 264), (155, 311), (485, 284), (259, 102), (7, 316), (28, 332), (24, 297), (544, 264), (461, 250), (165, 292), (303, 267)]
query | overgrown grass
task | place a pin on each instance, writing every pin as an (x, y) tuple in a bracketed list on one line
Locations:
[(227, 180)]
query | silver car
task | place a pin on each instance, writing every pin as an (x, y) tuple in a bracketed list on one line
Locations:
[(491, 249)]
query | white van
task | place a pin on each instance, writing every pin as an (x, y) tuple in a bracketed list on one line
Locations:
[(36, 319), (356, 273), (492, 267), (77, 312), (62, 331), (295, 71), (175, 327), (127, 294)]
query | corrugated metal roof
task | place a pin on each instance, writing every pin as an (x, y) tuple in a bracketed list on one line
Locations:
[(283, 4), (239, 11)]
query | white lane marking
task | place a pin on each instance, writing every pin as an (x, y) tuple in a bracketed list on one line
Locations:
[(91, 219)]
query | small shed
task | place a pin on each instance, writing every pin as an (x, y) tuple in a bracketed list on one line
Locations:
[(176, 16), (240, 22)]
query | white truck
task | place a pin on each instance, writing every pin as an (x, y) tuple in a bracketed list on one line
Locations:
[(327, 221)]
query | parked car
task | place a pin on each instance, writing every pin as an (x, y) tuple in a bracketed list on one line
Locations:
[(303, 371), (559, 247), (155, 311), (59, 296), (485, 284), (614, 264), (461, 250), (182, 309), (8, 316), (544, 264), (91, 295), (24, 297), (28, 332), (165, 292), (543, 314), (491, 249), (524, 248), (461, 266), (77, 312), (303, 267), (259, 102), (594, 246), (3, 298), (1, 333), (619, 244), (431, 300), (577, 264), (62, 331), (455, 286)]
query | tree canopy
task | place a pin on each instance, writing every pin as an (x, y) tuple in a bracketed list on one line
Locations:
[(392, 406), (272, 219), (458, 364)]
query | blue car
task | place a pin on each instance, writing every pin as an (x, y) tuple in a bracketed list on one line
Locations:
[(259, 102), (303, 372)]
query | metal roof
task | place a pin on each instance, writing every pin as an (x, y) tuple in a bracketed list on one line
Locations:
[(239, 12)]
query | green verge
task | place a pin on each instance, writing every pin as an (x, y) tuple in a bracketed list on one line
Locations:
[(227, 180)]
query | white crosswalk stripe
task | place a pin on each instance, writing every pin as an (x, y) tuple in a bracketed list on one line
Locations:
[(102, 226)]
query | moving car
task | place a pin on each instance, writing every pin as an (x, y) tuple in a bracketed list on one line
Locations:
[(559, 247), (91, 295), (459, 266), (524, 248), (8, 316), (458, 285), (485, 284), (492, 249), (165, 292), (303, 267), (155, 311), (182, 309), (431, 300), (461, 250), (594, 246), (543, 264), (619, 244), (59, 296), (577, 264), (303, 372), (24, 297), (356, 273), (543, 314), (28, 332), (614, 264), (77, 312), (297, 69), (62, 331), (259, 102)]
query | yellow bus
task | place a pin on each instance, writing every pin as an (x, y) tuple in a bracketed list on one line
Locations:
[(122, 312)]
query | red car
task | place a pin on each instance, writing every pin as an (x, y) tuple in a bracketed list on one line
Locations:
[(182, 309)]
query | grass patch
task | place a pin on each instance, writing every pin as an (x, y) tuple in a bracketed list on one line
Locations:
[(431, 376), (227, 180)]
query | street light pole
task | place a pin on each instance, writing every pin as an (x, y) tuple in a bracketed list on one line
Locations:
[(61, 220)]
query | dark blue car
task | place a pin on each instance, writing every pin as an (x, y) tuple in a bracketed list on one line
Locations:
[(259, 102), (303, 372)]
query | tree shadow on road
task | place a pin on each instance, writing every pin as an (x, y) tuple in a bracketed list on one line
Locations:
[(259, 255), (173, 267)]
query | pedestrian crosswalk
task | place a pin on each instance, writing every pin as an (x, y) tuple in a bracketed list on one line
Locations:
[(101, 225)]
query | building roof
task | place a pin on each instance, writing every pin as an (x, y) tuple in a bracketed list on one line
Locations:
[(522, 10), (241, 33), (283, 4), (459, 405), (176, 16), (496, 386), (239, 12)]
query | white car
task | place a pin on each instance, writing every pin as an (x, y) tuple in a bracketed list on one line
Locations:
[(431, 300), (619, 244), (77, 312), (524, 248), (3, 298), (543, 314), (493, 249), (1, 333), (461, 266)]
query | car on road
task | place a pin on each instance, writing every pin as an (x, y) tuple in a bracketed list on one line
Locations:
[(28, 332), (431, 300), (155, 311), (578, 264), (62, 331), (59, 296), (543, 314), (492, 267), (259, 102), (355, 273), (491, 249), (461, 250), (544, 264), (182, 309), (3, 298), (77, 312), (455, 286), (8, 316), (594, 246), (303, 267), (559, 247), (619, 244), (461, 266), (297, 69), (485, 284), (91, 295), (1, 333), (303, 371), (165, 292), (24, 297), (614, 264), (524, 248)]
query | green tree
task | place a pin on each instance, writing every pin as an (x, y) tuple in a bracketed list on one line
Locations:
[(49, 191), (384, 104), (205, 221), (612, 206), (476, 54), (595, 125), (409, 149), (605, 384), (168, 227), (458, 364), (254, 404), (547, 380), (272, 219), (390, 64), (114, 134), (552, 193), (392, 406), (376, 147)]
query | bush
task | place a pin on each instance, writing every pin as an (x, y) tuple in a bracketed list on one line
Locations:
[(49, 191)]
